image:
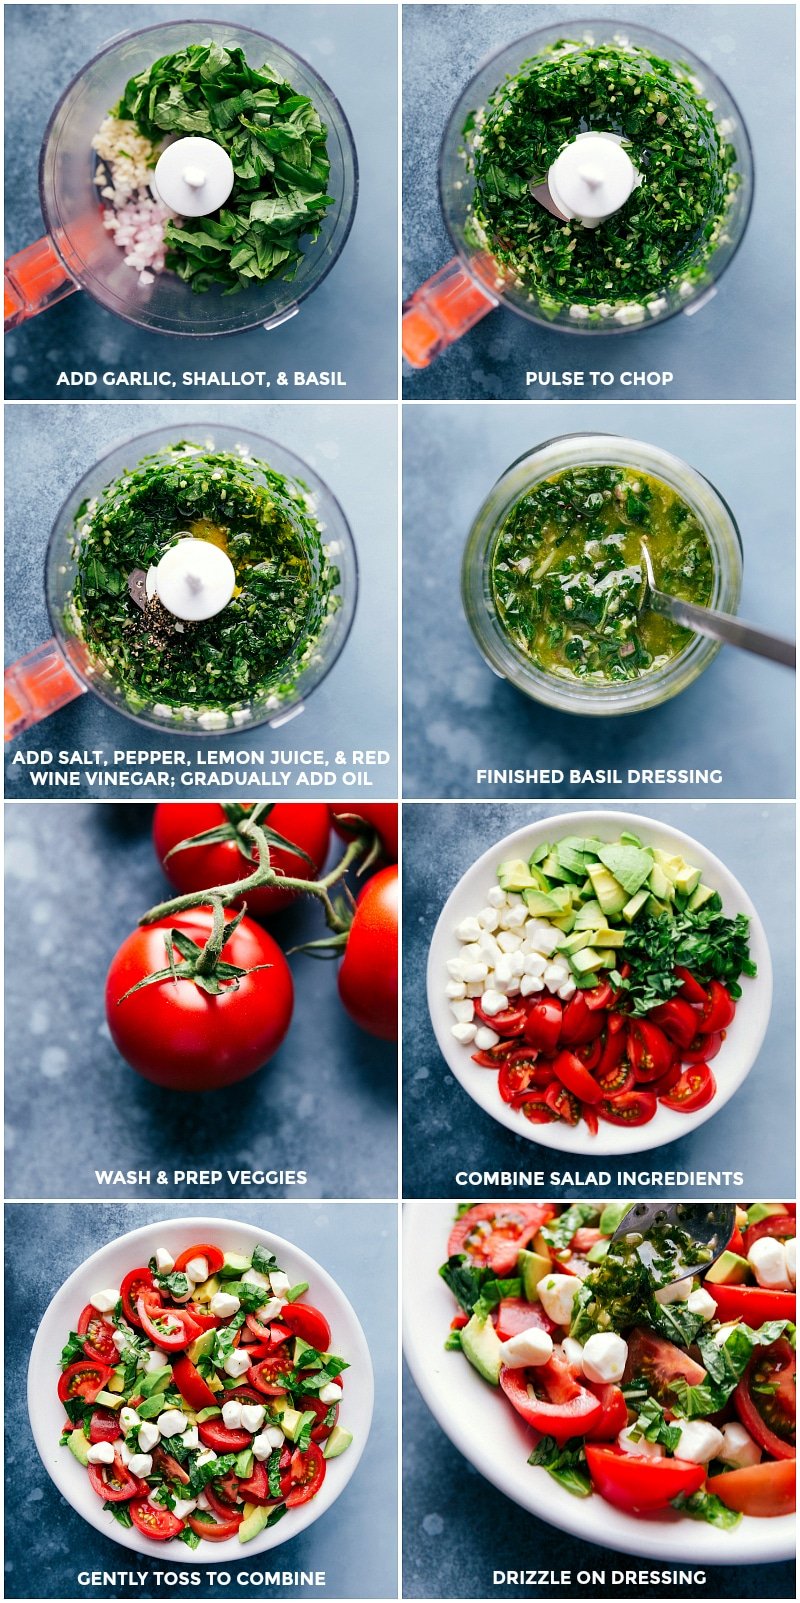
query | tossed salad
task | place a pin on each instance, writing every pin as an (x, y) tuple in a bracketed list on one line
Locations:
[(599, 981), (201, 1395), (656, 1394)]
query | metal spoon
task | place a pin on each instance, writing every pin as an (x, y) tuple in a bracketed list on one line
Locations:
[(717, 625), (708, 1225)]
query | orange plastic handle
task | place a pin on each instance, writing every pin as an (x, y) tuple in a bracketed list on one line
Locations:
[(440, 311), (36, 686), (35, 279)]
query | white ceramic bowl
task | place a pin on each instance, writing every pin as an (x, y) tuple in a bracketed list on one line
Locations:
[(497, 1443), (107, 1267), (739, 1050)]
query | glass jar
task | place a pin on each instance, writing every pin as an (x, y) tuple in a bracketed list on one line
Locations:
[(583, 450)]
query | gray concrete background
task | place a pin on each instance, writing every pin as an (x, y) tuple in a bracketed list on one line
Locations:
[(458, 716), (354, 451), (741, 344), (78, 879), (446, 1131), (47, 1543), (348, 323)]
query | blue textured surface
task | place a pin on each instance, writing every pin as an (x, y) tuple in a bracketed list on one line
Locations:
[(457, 1529), (459, 716), (742, 342), (48, 1544), (446, 1131), (348, 324), (78, 878), (354, 451)]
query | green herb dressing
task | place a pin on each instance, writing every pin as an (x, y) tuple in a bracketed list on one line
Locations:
[(567, 581), (669, 228), (255, 649)]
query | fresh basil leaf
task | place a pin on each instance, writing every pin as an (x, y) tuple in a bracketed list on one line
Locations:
[(566, 1465), (707, 1506)]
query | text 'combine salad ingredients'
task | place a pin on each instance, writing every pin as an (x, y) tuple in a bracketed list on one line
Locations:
[(661, 1396), (201, 1395), (599, 980)]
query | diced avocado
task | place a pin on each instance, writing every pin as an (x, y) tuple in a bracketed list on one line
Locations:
[(699, 897), (632, 908), (576, 941), (254, 1522), (245, 1464), (540, 905), (540, 880), (565, 922), (214, 1383), (116, 1383), (655, 908), (207, 1290), (763, 1210), (590, 916), (562, 896), (660, 886), (302, 1347), (234, 1266), (151, 1407), (630, 866), (606, 937), (670, 863), (607, 956), (612, 1216), (587, 961), (79, 1445), (291, 1423), (539, 854), (482, 1346), (514, 875), (597, 1253), (156, 1380), (729, 1270), (338, 1441), (532, 1267), (278, 1405), (201, 1346), (553, 869), (687, 880), (108, 1399), (607, 889), (627, 839)]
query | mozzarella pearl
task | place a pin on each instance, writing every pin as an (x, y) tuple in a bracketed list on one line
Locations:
[(141, 1464), (699, 1441), (638, 1448), (232, 1415), (224, 1304), (557, 1295), (252, 1416), (149, 1435), (738, 1447), (104, 1301), (129, 1419), (677, 1291), (164, 1261), (172, 1422), (236, 1363), (528, 1347), (767, 1259), (701, 1302), (197, 1270), (604, 1357), (101, 1453)]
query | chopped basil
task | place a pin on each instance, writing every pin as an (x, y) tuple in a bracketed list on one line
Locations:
[(566, 1465), (265, 1262), (707, 1506)]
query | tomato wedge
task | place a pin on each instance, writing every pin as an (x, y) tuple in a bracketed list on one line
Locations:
[(614, 1416), (677, 1019), (98, 1333), (515, 1314), (703, 1048), (214, 1258), (543, 1024), (214, 1434), (308, 1323), (216, 1531), (691, 990), (781, 1225), (308, 1473), (641, 1485), (564, 1105), (628, 1107), (267, 1375), (511, 1226), (762, 1490), (565, 1410), (104, 1426), (134, 1286), (754, 1304), (158, 1523), (168, 1328), (321, 1431), (718, 1010), (695, 1089), (765, 1398), (191, 1385), (577, 1079), (509, 1023), (579, 1022), (651, 1054), (114, 1483), (83, 1379)]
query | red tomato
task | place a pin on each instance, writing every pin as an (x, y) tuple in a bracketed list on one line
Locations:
[(213, 1433), (571, 1072), (509, 1023), (201, 1316), (83, 1379), (114, 1483), (765, 1398), (321, 1431), (512, 1226), (695, 1089), (169, 1466), (98, 1333), (168, 1328), (580, 1023), (220, 1531), (614, 1072), (718, 1011), (517, 1073), (199, 868), (308, 1473), (703, 1048), (104, 1426), (781, 1225), (564, 1105), (614, 1417), (382, 816), (677, 1019), (691, 990), (761, 1490), (308, 1323), (536, 1110), (600, 996), (649, 1051), (256, 1488), (134, 1284), (560, 1408), (641, 1485), (191, 1385), (628, 1107), (267, 1375), (660, 1362), (543, 1024), (223, 1494), (177, 1035), (516, 1314), (157, 1523), (753, 1304), (368, 972), (213, 1256)]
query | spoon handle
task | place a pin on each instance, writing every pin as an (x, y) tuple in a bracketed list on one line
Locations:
[(721, 626)]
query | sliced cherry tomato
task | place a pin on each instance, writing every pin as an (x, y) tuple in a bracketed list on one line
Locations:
[(579, 1023), (780, 1225), (515, 1314), (762, 1490), (765, 1398), (571, 1072), (585, 1237), (83, 1379), (649, 1051), (308, 1473), (660, 1363), (133, 1287), (458, 1321), (321, 1431), (628, 1107), (600, 996), (543, 1024), (691, 990), (617, 1078), (666, 1081), (256, 1330), (223, 1495), (509, 1023), (220, 1531), (256, 1488), (718, 1011), (114, 1483), (157, 1523), (170, 1329), (560, 1407), (516, 1077), (641, 1485), (214, 1258), (614, 1417), (562, 1103), (201, 1316), (494, 1233), (191, 1385), (614, 1045), (98, 1333), (268, 1375), (754, 1304), (591, 1053), (677, 1019), (308, 1323), (169, 1466), (493, 1056), (536, 1111), (703, 1048), (213, 1433), (104, 1426), (590, 1119), (695, 1089)]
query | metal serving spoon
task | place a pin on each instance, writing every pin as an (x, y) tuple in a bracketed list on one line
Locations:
[(709, 1225), (717, 625)]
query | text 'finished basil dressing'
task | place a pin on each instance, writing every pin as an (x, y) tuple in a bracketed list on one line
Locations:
[(567, 579)]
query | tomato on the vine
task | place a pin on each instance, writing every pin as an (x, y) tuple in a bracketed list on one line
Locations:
[(368, 973), (381, 816), (173, 1032), (200, 867)]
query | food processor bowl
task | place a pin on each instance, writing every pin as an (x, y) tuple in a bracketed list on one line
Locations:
[(63, 668), (473, 283), (79, 253), (501, 652)]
